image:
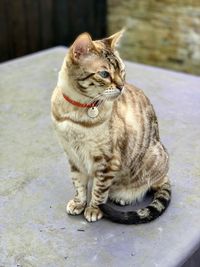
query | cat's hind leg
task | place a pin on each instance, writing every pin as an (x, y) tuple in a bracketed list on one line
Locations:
[(120, 202), (124, 196)]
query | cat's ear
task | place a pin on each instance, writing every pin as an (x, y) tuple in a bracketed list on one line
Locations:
[(114, 39), (82, 46)]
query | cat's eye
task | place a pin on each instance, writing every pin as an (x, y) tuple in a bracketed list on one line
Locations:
[(104, 74)]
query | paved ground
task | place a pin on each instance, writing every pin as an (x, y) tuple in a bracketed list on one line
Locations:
[(34, 184)]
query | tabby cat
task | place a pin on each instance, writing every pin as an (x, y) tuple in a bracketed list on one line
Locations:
[(110, 134)]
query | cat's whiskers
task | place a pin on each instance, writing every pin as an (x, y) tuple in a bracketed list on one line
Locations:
[(111, 94), (97, 101), (100, 99)]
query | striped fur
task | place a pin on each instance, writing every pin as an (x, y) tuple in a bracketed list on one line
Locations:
[(120, 149), (151, 212)]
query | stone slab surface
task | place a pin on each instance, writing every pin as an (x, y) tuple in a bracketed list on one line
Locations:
[(34, 183)]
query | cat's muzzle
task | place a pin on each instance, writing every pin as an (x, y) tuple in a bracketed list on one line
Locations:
[(111, 94)]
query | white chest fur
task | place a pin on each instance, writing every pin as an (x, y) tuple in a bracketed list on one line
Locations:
[(81, 144)]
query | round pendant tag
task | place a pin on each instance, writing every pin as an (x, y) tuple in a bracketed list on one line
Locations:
[(93, 112)]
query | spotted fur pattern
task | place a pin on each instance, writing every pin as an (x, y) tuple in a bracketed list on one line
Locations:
[(120, 149)]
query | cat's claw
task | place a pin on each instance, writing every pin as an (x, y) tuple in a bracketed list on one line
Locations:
[(93, 214), (74, 207)]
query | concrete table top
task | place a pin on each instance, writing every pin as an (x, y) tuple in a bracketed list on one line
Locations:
[(34, 185)]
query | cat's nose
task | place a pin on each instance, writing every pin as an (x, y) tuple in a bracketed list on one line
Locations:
[(120, 87)]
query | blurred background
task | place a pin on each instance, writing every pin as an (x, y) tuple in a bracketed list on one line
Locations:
[(32, 25), (164, 33)]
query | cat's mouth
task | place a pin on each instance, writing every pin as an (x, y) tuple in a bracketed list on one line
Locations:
[(111, 94)]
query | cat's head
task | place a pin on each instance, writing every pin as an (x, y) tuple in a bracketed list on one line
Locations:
[(95, 68)]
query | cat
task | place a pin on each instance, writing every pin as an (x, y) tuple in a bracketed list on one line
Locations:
[(109, 131)]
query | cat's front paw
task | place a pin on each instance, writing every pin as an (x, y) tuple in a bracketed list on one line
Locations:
[(75, 207), (93, 214)]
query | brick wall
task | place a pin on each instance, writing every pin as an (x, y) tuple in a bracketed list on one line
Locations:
[(163, 33)]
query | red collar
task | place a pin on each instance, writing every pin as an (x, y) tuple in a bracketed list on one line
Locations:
[(78, 104)]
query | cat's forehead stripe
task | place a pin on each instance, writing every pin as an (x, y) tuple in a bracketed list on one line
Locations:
[(113, 59)]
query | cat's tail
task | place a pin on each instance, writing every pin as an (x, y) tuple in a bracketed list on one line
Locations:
[(159, 204)]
